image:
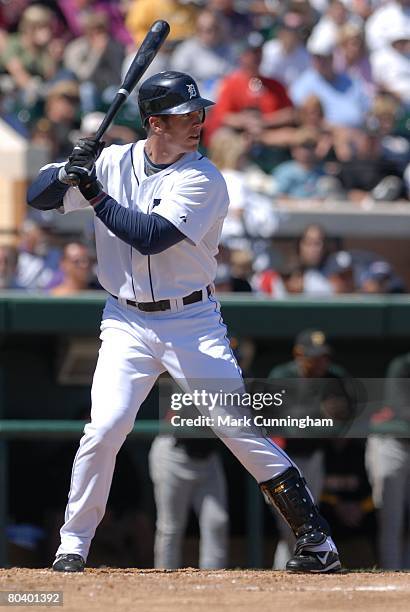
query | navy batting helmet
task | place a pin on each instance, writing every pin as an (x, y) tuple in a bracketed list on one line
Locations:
[(169, 93)]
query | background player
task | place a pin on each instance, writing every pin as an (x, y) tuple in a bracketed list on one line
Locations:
[(159, 208)]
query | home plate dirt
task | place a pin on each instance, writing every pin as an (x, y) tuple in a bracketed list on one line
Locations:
[(192, 590)]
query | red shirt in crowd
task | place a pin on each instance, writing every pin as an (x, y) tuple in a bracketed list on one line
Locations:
[(239, 92)]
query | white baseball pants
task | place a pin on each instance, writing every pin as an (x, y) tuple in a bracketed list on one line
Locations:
[(190, 342)]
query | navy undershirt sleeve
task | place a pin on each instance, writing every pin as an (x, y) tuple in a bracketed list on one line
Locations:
[(148, 234), (46, 191)]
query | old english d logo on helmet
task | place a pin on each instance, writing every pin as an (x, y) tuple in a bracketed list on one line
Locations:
[(192, 90), (169, 93)]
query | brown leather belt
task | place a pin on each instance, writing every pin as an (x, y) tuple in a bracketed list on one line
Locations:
[(196, 296)]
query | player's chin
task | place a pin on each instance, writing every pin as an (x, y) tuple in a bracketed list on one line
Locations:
[(193, 141)]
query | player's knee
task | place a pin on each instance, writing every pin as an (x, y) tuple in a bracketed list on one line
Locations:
[(112, 433)]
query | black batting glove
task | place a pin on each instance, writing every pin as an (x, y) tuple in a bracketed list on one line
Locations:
[(81, 162), (89, 186)]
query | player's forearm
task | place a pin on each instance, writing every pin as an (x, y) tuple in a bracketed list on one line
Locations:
[(148, 234), (46, 191)]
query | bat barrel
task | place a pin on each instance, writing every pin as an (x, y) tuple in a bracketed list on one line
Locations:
[(146, 53)]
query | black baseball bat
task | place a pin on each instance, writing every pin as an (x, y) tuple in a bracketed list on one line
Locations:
[(143, 58)]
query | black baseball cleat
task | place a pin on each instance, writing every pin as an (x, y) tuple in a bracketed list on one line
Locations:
[(69, 563), (314, 562)]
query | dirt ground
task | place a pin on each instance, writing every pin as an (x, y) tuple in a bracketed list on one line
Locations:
[(111, 590)]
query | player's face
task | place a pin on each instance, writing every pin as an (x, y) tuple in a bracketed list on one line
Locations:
[(183, 132), (314, 367)]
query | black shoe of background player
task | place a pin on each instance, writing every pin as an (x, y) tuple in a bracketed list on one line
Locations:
[(69, 563), (314, 562)]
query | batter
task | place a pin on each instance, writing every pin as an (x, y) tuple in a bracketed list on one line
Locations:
[(159, 208)]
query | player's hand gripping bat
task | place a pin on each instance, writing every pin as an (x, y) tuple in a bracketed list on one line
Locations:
[(143, 58)]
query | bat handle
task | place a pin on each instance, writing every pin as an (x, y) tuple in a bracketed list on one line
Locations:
[(72, 179)]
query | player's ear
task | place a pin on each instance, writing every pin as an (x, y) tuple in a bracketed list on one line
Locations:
[(156, 125)]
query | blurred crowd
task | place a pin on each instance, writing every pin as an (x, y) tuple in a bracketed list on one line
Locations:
[(312, 102)]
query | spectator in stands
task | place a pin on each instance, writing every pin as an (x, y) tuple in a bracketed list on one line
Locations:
[(181, 16), (339, 270), (76, 267), (362, 8), (312, 248), (278, 282), (321, 392), (305, 11), (228, 151), (368, 174), (75, 11), (352, 58), (344, 99), (380, 278), (8, 114), (61, 117), (285, 57), (291, 278), (335, 17), (330, 139), (8, 268), (233, 275), (241, 270), (348, 270), (302, 176), (208, 55), (37, 262), (250, 214), (391, 15), (239, 24), (32, 56), (388, 464), (10, 13), (248, 101), (312, 251), (391, 65), (96, 59), (383, 118)]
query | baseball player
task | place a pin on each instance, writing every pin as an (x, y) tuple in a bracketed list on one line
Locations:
[(159, 208)]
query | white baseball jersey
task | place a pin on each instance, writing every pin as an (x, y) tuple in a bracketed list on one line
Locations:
[(191, 194)]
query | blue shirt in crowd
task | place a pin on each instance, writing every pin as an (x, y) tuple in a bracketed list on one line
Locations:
[(294, 180), (344, 99)]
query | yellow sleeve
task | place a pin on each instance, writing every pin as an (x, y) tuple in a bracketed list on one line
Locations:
[(142, 14)]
